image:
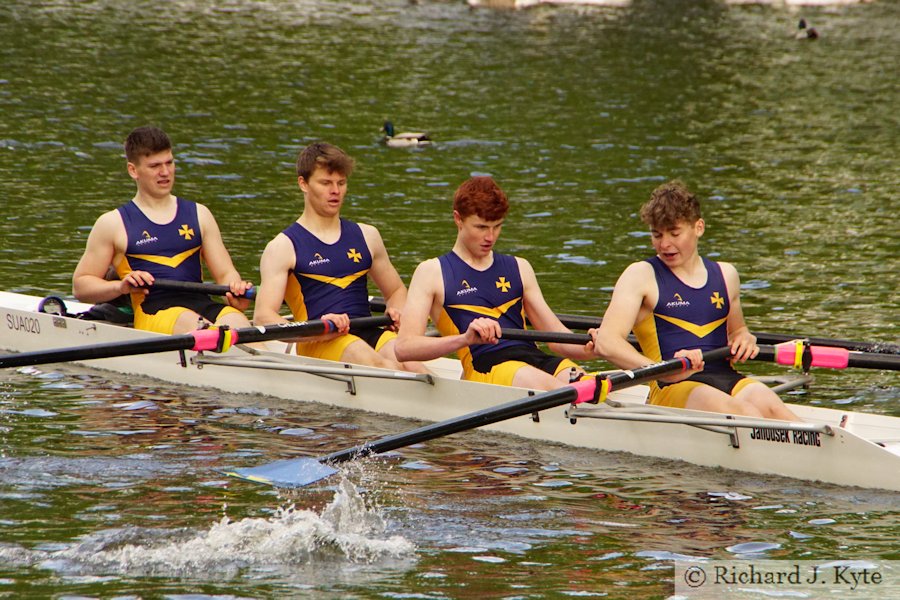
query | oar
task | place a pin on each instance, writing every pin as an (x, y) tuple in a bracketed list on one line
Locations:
[(586, 322), (800, 354), (213, 339), (298, 472), (211, 289)]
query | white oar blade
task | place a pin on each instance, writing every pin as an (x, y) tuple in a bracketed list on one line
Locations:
[(289, 473)]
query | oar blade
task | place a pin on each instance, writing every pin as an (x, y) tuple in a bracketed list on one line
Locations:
[(288, 473)]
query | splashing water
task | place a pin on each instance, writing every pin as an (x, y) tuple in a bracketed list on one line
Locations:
[(346, 530)]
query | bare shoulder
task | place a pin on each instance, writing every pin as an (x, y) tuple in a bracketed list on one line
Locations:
[(372, 236), (279, 243), (732, 279), (728, 269), (525, 267), (109, 224), (207, 220), (637, 272), (369, 230), (428, 269)]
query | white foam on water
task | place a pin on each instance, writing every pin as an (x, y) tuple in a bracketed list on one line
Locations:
[(345, 531)]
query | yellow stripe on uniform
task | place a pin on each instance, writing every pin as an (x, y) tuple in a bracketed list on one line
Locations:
[(168, 261), (487, 311), (700, 331), (341, 282)]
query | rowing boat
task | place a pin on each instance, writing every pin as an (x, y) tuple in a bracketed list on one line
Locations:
[(833, 446)]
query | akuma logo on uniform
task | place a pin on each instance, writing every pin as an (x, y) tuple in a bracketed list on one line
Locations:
[(465, 289), (318, 259), (678, 302), (146, 238)]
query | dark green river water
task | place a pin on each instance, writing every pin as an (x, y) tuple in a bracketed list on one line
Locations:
[(110, 490)]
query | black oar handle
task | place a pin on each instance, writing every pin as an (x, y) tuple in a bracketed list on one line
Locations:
[(551, 337), (304, 329), (518, 408), (211, 289)]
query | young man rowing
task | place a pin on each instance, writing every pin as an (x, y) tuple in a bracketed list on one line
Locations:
[(320, 266), (472, 292), (158, 235), (679, 304)]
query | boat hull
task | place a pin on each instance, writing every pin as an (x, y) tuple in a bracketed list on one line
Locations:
[(849, 455)]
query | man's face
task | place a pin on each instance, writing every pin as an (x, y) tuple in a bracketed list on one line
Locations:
[(324, 191), (154, 174), (478, 235), (676, 244)]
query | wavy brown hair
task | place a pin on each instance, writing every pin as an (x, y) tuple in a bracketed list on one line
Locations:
[(670, 204)]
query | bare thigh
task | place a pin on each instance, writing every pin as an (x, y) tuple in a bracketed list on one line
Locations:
[(708, 398), (534, 378), (767, 402)]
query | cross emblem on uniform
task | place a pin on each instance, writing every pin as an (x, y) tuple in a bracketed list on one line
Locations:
[(354, 255), (503, 285), (186, 232), (717, 300)]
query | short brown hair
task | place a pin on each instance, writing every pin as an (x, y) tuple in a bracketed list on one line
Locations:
[(480, 196), (328, 156), (145, 141), (670, 204)]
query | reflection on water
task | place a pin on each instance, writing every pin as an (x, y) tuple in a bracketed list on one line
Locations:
[(579, 112), (132, 476)]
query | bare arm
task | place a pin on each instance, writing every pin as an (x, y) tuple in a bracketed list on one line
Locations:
[(543, 318), (105, 245), (385, 275), (742, 342), (425, 297), (633, 300), (275, 266), (219, 262), (630, 301)]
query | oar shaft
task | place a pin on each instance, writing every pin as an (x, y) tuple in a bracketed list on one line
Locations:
[(874, 347), (95, 351), (282, 331), (211, 289), (579, 391), (557, 337), (200, 340)]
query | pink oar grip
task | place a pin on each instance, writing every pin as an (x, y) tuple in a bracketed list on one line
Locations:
[(206, 339), (822, 356), (830, 358), (585, 388)]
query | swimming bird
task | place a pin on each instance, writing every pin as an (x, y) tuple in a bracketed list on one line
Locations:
[(405, 139), (806, 33)]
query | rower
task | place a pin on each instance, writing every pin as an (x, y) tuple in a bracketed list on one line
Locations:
[(320, 266), (679, 304), (159, 235), (472, 292)]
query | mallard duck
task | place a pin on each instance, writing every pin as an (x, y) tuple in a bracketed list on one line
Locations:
[(403, 140)]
